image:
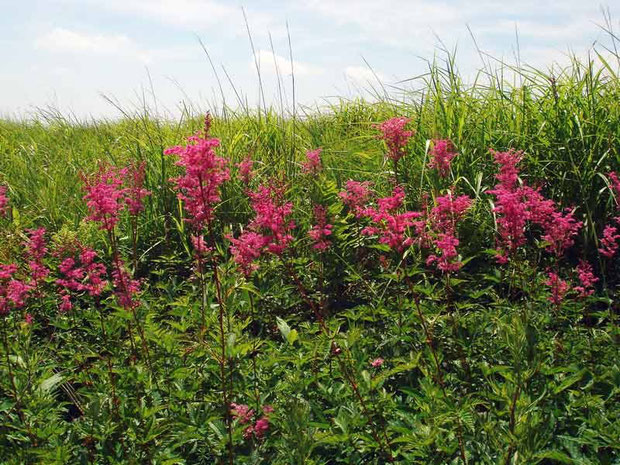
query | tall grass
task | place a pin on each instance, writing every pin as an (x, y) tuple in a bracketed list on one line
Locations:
[(566, 120)]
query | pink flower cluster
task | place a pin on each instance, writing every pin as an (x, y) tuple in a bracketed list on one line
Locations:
[(443, 221), (442, 154), (313, 164), (83, 274), (268, 232), (395, 136), (558, 287), (110, 189), (245, 170), (611, 233), (388, 224), (105, 196), (320, 232), (205, 172), (4, 200), (36, 249), (377, 363), (135, 192), (125, 287), (586, 278), (356, 195), (13, 292), (244, 414), (517, 204)]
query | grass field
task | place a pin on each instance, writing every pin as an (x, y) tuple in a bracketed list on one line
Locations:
[(400, 338)]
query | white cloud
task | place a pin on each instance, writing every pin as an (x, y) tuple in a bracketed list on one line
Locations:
[(194, 14), (268, 61), (362, 75), (69, 41)]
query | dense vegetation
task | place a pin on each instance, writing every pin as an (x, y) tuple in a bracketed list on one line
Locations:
[(432, 279)]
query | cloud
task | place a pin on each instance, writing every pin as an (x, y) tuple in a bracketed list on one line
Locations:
[(61, 40), (268, 63), (362, 75), (193, 14)]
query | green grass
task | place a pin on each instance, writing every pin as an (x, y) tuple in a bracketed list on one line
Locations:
[(479, 364)]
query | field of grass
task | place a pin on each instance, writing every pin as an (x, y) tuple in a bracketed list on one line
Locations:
[(379, 346)]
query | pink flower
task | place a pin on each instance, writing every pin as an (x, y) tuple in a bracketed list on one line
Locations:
[(13, 292), (356, 195), (313, 163), (267, 409), (558, 287), (28, 319), (609, 241), (586, 278), (516, 205), (376, 363), (245, 170), (135, 192), (4, 200), (246, 249), (560, 230), (442, 154), (320, 232), (395, 137), (615, 185), (390, 226), (105, 195), (65, 304), (36, 250), (125, 287), (85, 276), (205, 172), (261, 427), (268, 232), (443, 220), (241, 412), (200, 246)]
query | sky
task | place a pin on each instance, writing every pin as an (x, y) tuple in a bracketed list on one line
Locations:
[(78, 56)]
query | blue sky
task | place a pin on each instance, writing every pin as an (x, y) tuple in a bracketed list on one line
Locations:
[(68, 53)]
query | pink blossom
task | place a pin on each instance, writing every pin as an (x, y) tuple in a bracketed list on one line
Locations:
[(356, 195), (135, 191), (28, 319), (268, 232), (586, 278), (241, 412), (4, 200), (609, 241), (13, 292), (65, 303), (36, 249), (105, 195), (395, 137), (320, 232), (443, 220), (558, 287), (205, 172), (615, 185), (267, 409), (125, 287), (246, 249), (200, 246), (442, 154), (390, 226), (313, 164), (85, 276), (261, 427), (560, 230), (376, 363), (245, 170)]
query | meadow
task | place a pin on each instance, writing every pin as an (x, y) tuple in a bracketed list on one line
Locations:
[(429, 278)]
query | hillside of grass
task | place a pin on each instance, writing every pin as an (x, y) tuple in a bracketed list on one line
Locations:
[(294, 317)]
